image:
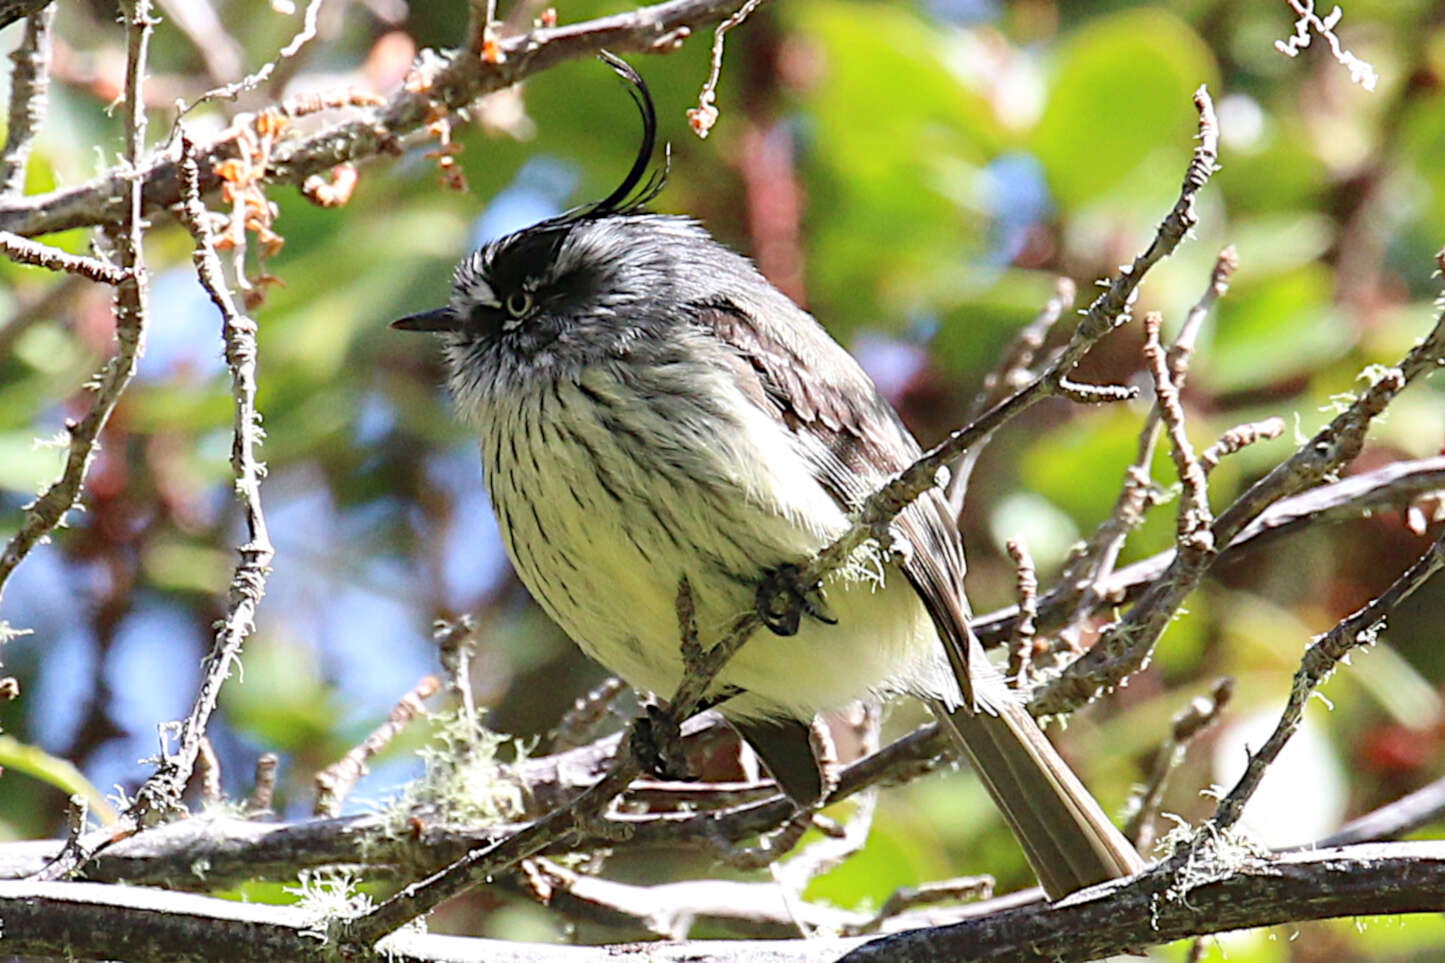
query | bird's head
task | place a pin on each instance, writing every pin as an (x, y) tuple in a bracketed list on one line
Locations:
[(570, 286)]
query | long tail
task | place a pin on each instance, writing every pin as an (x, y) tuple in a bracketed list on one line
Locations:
[(1069, 841)]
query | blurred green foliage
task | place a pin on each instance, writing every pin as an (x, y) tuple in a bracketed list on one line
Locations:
[(949, 160)]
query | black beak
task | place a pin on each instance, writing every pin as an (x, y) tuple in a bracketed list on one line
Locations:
[(441, 319)]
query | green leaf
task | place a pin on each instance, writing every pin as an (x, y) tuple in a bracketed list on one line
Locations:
[(60, 773), (1120, 95), (1282, 327)]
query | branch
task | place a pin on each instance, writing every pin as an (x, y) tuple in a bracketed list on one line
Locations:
[(25, 251), (230, 91), (1361, 72), (1392, 820), (336, 780), (1189, 722), (1194, 517), (93, 920), (1013, 371), (1085, 572), (448, 83), (1156, 908), (1109, 311), (13, 10)]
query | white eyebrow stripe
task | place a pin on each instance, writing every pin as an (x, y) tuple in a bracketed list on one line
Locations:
[(479, 291)]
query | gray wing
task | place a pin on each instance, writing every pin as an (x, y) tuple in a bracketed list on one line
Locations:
[(856, 441)]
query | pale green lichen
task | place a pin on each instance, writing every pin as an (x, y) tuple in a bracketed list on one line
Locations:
[(464, 782), (328, 896)]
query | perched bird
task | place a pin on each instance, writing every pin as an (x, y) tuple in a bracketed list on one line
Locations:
[(651, 408)]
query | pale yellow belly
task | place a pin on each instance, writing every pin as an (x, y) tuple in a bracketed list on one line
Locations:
[(603, 553)]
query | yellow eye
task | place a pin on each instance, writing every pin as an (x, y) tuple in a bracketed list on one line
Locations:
[(519, 303)]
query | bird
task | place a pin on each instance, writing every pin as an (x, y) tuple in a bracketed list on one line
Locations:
[(650, 408)]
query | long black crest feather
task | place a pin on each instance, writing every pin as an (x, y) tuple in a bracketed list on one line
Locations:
[(634, 191)]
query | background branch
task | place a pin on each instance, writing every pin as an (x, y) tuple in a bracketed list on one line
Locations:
[(29, 92), (450, 82)]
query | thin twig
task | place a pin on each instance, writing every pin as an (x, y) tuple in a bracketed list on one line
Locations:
[(1194, 517), (1013, 371), (264, 791), (26, 251), (581, 721), (1087, 569), (831, 851), (131, 307), (73, 853), (702, 117), (251, 81), (208, 767), (964, 888), (1189, 722), (672, 910), (335, 781), (1361, 72), (160, 794), (29, 93), (1238, 438), (1410, 812), (456, 644), (770, 847), (1021, 639)]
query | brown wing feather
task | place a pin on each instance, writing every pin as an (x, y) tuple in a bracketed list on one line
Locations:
[(856, 442)]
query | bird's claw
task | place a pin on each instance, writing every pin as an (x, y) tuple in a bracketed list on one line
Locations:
[(657, 744), (783, 600)]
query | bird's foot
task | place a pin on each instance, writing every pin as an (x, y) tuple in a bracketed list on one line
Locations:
[(657, 743), (783, 599)]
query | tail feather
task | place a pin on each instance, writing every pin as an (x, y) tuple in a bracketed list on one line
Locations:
[(786, 748), (1065, 834)]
